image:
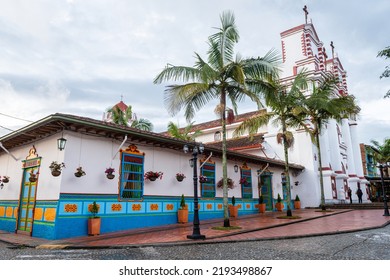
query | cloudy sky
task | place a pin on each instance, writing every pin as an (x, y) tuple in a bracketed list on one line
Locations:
[(79, 56)]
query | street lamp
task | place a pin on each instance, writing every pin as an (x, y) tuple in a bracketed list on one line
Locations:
[(193, 163), (381, 166)]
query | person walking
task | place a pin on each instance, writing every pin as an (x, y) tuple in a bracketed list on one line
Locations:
[(359, 194), (350, 195)]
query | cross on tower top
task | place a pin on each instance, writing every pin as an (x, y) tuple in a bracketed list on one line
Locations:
[(306, 13), (332, 46)]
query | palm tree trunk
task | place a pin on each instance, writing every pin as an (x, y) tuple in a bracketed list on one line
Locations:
[(320, 167), (287, 169), (226, 221)]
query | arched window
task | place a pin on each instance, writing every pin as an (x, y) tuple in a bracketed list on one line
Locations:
[(217, 136)]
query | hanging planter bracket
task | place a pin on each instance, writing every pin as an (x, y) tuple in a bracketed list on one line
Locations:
[(121, 145), (8, 152), (262, 171), (211, 154)]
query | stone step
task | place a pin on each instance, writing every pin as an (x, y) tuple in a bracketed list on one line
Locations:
[(373, 205)]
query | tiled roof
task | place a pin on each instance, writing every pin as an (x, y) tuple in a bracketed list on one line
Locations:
[(56, 123), (122, 106), (240, 143), (217, 122)]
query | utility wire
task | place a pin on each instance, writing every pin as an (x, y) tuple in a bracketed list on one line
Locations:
[(15, 118)]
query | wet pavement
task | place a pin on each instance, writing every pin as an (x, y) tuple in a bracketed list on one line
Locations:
[(267, 226)]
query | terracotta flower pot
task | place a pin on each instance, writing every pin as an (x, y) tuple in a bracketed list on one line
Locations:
[(279, 206), (262, 207), (94, 226), (297, 204), (233, 211), (182, 216)]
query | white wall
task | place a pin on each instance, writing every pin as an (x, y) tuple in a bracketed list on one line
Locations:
[(48, 186)]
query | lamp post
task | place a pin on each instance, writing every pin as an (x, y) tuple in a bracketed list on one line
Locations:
[(386, 213), (193, 162)]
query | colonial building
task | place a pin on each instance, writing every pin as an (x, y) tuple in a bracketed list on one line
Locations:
[(35, 201)]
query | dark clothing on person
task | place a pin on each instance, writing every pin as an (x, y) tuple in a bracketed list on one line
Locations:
[(360, 195), (350, 195)]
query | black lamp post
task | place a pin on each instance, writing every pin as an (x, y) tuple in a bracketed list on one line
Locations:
[(381, 166), (193, 162)]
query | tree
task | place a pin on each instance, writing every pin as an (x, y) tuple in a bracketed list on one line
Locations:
[(280, 104), (126, 118), (380, 152), (386, 54), (221, 77), (320, 106), (185, 133)]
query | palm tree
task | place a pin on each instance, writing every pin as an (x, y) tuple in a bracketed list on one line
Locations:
[(281, 104), (185, 133), (381, 153), (126, 118), (221, 77), (319, 107), (121, 117)]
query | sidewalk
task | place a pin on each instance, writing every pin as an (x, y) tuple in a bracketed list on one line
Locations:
[(252, 227)]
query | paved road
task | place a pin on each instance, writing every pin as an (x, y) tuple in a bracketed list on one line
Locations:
[(363, 245)]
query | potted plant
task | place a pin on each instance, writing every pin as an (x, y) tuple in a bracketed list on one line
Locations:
[(233, 209), (94, 221), (33, 177), (262, 205), (243, 181), (5, 179), (297, 202), (180, 177), (182, 213), (202, 179), (279, 205), (79, 172), (152, 175), (110, 173), (230, 183), (56, 168)]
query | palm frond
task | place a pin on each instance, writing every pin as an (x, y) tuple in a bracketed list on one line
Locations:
[(177, 73), (253, 124)]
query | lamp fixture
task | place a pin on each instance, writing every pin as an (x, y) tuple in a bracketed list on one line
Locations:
[(236, 168), (61, 142)]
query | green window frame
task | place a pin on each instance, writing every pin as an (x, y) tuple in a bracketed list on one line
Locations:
[(246, 189), (208, 188), (131, 176)]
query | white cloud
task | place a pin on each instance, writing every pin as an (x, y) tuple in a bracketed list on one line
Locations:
[(79, 57)]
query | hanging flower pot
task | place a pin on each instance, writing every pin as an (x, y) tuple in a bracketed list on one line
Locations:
[(202, 179), (152, 175), (230, 183), (33, 177), (180, 177), (79, 172), (110, 173), (5, 179), (56, 168), (56, 173)]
